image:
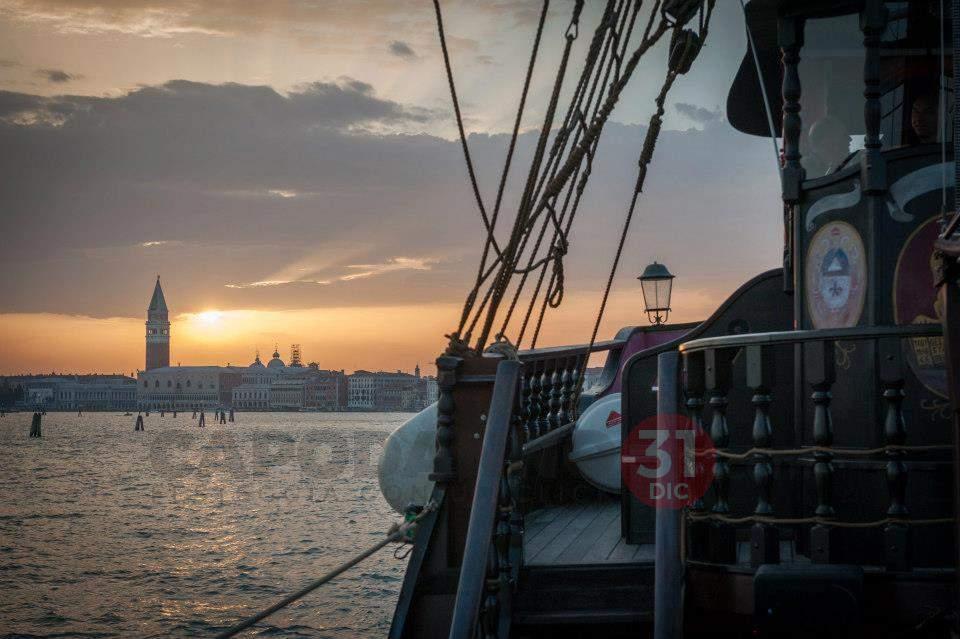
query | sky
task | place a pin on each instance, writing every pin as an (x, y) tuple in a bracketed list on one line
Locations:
[(291, 170)]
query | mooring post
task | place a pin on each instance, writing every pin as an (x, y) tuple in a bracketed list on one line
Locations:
[(36, 428), (667, 567)]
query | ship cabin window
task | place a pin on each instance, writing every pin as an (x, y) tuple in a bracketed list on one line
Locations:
[(832, 84)]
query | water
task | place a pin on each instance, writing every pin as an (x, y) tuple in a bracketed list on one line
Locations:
[(180, 531)]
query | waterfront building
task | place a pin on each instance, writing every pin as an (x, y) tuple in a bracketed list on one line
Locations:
[(187, 387), (77, 392), (383, 391)]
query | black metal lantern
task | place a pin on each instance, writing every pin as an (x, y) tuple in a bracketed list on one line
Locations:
[(656, 283)]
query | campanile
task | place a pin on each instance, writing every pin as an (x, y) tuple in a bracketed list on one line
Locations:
[(158, 330)]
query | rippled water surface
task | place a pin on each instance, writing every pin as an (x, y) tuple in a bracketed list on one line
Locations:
[(180, 531)]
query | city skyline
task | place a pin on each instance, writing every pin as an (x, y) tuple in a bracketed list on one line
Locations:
[(285, 202)]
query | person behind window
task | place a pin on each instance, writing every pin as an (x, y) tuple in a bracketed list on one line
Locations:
[(923, 119)]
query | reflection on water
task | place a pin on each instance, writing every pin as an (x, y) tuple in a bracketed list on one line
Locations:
[(179, 531)]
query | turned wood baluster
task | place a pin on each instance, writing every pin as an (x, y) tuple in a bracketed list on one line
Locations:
[(533, 409), (764, 538), (544, 409), (573, 409), (514, 478), (444, 465), (523, 414), (556, 393), (790, 37), (717, 380), (694, 388), (896, 535), (820, 362), (490, 608), (566, 383), (718, 363), (503, 541)]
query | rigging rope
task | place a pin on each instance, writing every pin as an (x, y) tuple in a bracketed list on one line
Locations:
[(463, 137), (397, 533), (680, 61), (556, 180), (506, 168)]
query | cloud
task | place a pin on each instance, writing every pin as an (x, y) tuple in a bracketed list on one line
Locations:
[(395, 264), (8, 64), (378, 218), (57, 76), (402, 50), (697, 113), (266, 283), (153, 243)]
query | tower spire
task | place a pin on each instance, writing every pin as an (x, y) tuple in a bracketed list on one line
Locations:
[(158, 329)]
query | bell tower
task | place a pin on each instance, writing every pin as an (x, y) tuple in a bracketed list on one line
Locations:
[(158, 330)]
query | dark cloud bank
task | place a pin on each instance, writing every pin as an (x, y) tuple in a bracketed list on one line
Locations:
[(241, 182)]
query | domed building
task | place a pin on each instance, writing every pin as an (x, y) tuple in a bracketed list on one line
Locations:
[(276, 362)]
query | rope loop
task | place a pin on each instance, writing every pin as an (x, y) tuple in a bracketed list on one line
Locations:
[(573, 31)]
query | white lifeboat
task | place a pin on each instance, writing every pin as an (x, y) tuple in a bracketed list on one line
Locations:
[(596, 443), (407, 461)]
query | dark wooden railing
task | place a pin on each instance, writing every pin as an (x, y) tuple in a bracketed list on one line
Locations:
[(475, 533), (712, 525)]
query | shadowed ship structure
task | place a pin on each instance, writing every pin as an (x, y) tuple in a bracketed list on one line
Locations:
[(827, 389)]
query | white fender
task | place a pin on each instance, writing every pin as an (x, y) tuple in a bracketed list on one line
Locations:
[(407, 461), (596, 443)]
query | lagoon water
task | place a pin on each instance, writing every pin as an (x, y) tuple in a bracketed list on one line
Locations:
[(180, 531)]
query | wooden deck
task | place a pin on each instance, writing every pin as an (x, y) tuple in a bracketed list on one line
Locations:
[(579, 534)]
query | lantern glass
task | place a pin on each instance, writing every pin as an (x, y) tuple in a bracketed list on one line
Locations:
[(657, 286)]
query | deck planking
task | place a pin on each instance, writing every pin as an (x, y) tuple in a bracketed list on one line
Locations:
[(579, 534)]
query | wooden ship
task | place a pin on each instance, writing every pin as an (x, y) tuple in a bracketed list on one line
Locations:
[(829, 387)]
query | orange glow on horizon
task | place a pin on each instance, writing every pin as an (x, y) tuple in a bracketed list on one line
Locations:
[(350, 338)]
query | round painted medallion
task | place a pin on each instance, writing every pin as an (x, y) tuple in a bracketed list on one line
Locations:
[(836, 276), (915, 302)]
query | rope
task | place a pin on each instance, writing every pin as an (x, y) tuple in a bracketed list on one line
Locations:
[(646, 155), (842, 452), (506, 168), (396, 533), (510, 256), (463, 136), (555, 288), (823, 521)]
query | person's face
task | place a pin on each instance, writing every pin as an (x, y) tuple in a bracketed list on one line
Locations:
[(923, 119)]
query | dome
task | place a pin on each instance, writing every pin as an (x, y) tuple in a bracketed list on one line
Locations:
[(276, 362), (257, 363)]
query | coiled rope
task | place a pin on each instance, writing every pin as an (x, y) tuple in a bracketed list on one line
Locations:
[(397, 532)]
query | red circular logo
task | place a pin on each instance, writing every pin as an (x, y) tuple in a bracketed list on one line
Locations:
[(666, 461)]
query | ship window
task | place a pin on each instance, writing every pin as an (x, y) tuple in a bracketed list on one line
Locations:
[(832, 85)]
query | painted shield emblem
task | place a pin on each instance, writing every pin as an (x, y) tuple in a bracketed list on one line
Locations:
[(836, 273)]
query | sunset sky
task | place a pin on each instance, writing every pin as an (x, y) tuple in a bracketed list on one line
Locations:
[(291, 171)]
